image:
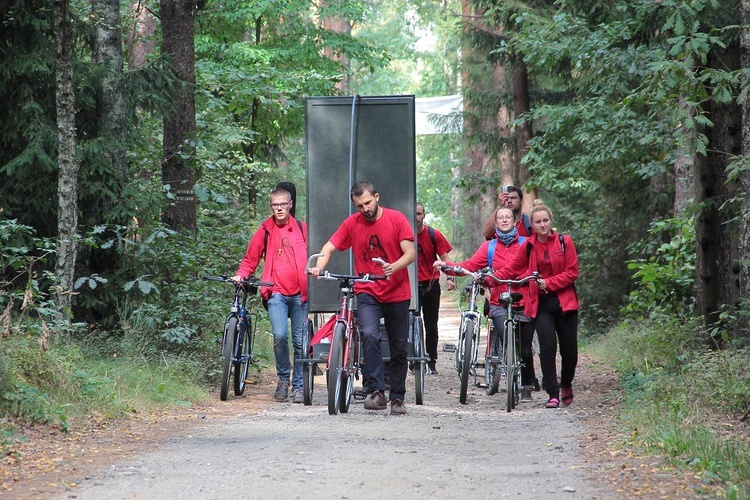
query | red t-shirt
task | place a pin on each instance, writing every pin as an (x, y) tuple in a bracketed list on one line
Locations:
[(284, 270), (381, 239), (427, 254)]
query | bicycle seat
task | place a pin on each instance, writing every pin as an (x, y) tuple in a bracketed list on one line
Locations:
[(510, 298)]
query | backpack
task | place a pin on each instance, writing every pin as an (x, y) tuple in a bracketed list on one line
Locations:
[(559, 236), (526, 223), (493, 244), (431, 232)]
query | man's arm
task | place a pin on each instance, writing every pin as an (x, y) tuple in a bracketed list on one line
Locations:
[(322, 262), (489, 228), (451, 281), (407, 257)]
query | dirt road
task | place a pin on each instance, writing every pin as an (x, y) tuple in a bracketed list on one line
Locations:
[(258, 448), (441, 449)]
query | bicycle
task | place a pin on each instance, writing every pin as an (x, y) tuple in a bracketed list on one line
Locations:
[(467, 352), (511, 349), (237, 341), (343, 358)]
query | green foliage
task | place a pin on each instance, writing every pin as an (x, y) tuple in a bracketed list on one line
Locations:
[(681, 397), (665, 281)]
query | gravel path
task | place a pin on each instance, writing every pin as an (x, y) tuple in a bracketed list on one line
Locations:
[(441, 449)]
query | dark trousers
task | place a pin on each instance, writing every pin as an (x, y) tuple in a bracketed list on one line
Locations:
[(553, 327), (526, 336), (429, 304), (396, 318)]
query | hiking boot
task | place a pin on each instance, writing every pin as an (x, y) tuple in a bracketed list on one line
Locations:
[(282, 391), (297, 396), (397, 407), (376, 401), (526, 394), (431, 369)]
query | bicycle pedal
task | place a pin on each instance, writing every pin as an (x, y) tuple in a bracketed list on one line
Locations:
[(359, 394)]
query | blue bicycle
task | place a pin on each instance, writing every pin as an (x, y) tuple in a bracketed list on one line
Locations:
[(237, 341)]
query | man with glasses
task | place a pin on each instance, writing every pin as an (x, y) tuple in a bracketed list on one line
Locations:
[(281, 241)]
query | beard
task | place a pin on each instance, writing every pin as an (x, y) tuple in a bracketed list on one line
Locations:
[(371, 215)]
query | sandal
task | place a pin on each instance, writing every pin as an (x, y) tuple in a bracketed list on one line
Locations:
[(552, 403), (567, 396)]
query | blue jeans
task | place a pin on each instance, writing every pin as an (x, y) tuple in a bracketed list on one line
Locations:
[(281, 307)]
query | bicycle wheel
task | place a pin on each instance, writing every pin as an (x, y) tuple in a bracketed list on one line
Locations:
[(492, 367), (347, 375), (467, 332), (419, 366), (227, 350), (510, 367), (308, 369), (242, 365), (335, 366)]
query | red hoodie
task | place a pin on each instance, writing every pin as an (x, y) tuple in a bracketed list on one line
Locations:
[(297, 238)]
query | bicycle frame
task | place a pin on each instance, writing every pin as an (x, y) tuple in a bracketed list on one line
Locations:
[(470, 329), (470, 313), (342, 370)]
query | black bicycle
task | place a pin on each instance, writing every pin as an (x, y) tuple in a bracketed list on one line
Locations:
[(237, 341)]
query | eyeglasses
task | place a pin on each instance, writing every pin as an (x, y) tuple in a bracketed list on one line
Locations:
[(276, 206), (504, 217)]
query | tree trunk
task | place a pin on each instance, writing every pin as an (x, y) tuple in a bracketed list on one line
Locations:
[(487, 129), (685, 189), (178, 176), (112, 114), (717, 234), (521, 106), (744, 232), (67, 187), (337, 25)]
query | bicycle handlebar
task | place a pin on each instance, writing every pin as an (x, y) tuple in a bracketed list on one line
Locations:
[(488, 273), (533, 276), (364, 278), (250, 281)]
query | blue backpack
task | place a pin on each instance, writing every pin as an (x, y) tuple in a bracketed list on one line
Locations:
[(493, 244)]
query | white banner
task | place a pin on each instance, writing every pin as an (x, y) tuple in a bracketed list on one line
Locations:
[(438, 115)]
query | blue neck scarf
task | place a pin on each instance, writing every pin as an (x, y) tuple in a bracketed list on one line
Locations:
[(507, 238)]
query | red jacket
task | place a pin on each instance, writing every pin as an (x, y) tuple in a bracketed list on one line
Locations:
[(257, 245), (502, 257), (564, 267)]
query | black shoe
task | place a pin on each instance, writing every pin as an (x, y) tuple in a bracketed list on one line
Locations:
[(536, 385), (431, 369)]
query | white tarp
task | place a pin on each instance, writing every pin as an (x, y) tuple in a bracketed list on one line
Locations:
[(438, 115)]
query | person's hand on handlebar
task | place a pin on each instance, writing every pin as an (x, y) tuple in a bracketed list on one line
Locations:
[(387, 266), (313, 271), (237, 279)]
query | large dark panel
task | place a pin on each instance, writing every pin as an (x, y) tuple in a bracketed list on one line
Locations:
[(384, 155)]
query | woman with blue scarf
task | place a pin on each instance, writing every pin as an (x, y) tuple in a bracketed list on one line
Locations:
[(497, 253)]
